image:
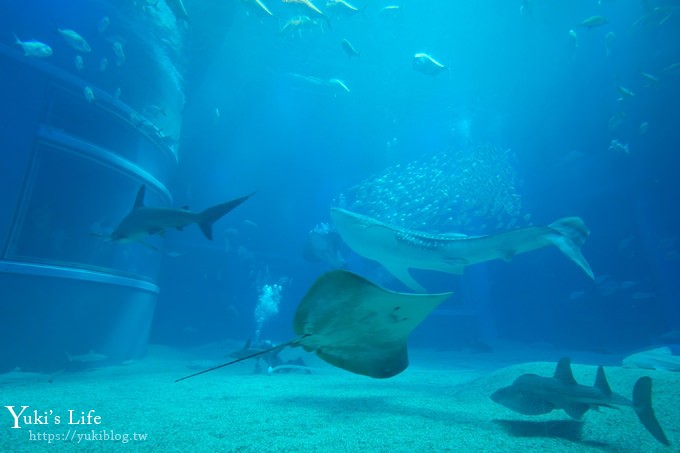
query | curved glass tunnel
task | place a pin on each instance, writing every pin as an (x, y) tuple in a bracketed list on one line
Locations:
[(70, 173)]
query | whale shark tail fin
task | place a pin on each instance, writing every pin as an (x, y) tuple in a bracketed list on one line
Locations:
[(642, 403), (572, 233)]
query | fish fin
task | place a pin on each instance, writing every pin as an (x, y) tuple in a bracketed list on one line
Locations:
[(571, 234), (576, 410), (601, 382), (211, 215), (508, 255), (454, 265), (139, 200), (153, 231), (642, 403), (404, 276), (563, 371)]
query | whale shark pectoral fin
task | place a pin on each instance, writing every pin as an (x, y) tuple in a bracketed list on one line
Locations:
[(454, 265), (508, 255), (404, 276)]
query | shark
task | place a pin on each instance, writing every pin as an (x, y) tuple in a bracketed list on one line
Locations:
[(531, 394), (143, 221), (399, 250)]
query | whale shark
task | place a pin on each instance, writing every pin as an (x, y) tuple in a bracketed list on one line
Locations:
[(143, 221), (399, 250), (531, 394)]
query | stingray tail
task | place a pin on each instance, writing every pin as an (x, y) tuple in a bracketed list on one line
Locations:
[(642, 403), (211, 215), (241, 359), (572, 233)]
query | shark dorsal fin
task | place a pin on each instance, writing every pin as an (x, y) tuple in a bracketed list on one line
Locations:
[(247, 345), (139, 201), (563, 371), (601, 382)]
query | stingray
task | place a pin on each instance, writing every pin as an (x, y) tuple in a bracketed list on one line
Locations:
[(355, 325)]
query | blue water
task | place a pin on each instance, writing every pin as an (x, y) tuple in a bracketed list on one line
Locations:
[(518, 82)]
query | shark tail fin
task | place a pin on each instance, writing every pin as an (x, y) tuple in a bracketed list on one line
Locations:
[(572, 233), (642, 403), (211, 215)]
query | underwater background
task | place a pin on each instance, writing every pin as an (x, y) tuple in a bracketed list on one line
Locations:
[(529, 111)]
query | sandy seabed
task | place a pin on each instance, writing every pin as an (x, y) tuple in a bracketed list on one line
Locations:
[(440, 403)]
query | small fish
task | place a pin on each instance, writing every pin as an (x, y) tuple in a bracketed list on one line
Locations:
[(424, 63), (298, 23), (306, 3), (89, 94), (594, 21), (625, 91), (78, 62), (653, 80), (34, 48), (74, 40), (673, 68), (342, 7), (261, 7), (390, 9), (340, 83), (618, 147), (250, 223), (644, 127), (103, 64), (118, 52), (103, 24), (349, 48)]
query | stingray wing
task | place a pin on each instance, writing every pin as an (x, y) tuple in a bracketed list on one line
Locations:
[(358, 326)]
